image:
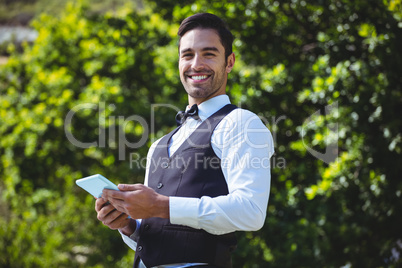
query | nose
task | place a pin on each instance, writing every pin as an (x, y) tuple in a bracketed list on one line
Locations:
[(198, 63)]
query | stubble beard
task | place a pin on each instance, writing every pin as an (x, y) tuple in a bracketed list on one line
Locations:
[(202, 91), (207, 90)]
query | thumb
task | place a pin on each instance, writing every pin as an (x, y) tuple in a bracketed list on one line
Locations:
[(127, 187)]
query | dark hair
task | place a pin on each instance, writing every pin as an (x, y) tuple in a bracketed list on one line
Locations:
[(208, 21)]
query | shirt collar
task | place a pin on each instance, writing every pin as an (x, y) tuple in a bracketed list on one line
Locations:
[(211, 106)]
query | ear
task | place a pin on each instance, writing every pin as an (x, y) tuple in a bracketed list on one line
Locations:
[(230, 62)]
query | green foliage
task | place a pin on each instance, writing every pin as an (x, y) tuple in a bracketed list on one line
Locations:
[(294, 59), (20, 11), (113, 65)]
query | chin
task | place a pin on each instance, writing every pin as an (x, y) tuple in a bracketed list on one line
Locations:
[(199, 94)]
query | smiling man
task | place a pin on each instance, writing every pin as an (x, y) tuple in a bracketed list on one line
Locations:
[(206, 179), (203, 65)]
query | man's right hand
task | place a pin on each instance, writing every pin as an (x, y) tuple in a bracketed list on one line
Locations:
[(113, 218)]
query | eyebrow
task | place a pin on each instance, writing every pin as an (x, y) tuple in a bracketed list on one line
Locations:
[(204, 49)]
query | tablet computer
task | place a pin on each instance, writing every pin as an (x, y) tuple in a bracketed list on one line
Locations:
[(95, 184)]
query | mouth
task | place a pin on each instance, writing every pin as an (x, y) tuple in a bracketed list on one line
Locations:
[(199, 78)]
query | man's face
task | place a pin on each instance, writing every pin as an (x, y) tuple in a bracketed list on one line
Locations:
[(202, 65)]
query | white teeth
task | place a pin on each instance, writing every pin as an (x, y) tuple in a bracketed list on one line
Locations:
[(199, 77)]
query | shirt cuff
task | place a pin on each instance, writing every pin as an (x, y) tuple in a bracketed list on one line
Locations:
[(184, 211), (131, 240)]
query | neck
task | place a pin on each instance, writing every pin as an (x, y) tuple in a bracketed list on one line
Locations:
[(198, 101)]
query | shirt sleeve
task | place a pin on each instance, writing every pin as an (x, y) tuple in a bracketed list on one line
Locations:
[(131, 240), (245, 147)]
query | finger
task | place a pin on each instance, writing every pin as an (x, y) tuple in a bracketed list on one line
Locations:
[(100, 202), (108, 194), (130, 187), (114, 218), (118, 204), (105, 211), (111, 216), (107, 216), (121, 221)]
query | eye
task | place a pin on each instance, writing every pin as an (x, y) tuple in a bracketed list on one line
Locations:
[(187, 55)]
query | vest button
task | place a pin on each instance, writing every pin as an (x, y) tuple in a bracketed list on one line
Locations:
[(160, 185), (146, 227), (165, 165), (139, 248)]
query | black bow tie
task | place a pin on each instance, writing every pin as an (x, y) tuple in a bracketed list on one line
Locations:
[(182, 116)]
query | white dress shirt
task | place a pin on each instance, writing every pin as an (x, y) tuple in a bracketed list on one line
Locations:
[(245, 146)]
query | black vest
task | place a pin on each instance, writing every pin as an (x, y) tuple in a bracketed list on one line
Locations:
[(192, 171)]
